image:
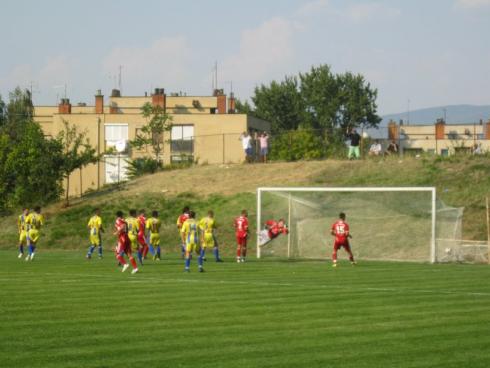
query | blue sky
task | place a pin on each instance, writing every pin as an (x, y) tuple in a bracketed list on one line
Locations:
[(432, 53)]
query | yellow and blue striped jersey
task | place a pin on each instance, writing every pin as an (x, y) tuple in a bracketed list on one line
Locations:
[(35, 221), (207, 225), (153, 224), (95, 224), (189, 228)]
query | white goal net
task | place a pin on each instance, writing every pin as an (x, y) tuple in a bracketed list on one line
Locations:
[(402, 224)]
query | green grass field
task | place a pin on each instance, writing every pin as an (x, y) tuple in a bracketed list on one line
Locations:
[(63, 311)]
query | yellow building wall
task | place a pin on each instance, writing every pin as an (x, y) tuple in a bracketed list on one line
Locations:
[(216, 136)]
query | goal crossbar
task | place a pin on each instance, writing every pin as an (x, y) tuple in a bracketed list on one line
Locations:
[(431, 190)]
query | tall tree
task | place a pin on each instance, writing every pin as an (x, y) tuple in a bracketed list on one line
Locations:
[(29, 163), (320, 93), (77, 152), (280, 103), (151, 134)]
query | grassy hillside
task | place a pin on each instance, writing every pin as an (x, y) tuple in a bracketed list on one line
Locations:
[(460, 181)]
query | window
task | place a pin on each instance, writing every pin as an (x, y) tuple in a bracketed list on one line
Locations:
[(182, 142), (115, 133)]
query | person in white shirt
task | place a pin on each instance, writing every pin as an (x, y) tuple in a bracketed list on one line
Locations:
[(375, 149), (247, 145)]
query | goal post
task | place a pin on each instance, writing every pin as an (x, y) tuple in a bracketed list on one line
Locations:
[(380, 217)]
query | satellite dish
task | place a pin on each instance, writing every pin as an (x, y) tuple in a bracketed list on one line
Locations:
[(120, 146)]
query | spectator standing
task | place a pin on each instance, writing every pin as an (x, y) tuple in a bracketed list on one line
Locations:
[(246, 140), (355, 140), (264, 146)]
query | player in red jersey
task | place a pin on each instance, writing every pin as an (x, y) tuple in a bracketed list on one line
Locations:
[(123, 243), (141, 235), (340, 229), (241, 232), (276, 227), (180, 221)]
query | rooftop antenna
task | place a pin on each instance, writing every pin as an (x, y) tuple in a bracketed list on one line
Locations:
[(214, 83), (33, 88), (231, 85), (57, 93), (216, 73), (120, 78)]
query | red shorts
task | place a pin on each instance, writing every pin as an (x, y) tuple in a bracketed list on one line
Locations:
[(141, 239), (339, 244), (241, 240), (123, 246)]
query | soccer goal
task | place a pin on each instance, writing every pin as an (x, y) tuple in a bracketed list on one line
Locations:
[(390, 223)]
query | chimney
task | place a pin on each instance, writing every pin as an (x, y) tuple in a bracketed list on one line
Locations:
[(99, 102), (159, 98), (231, 103), (113, 108), (393, 133), (440, 129), (221, 103), (65, 106)]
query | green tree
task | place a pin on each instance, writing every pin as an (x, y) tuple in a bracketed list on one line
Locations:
[(18, 113), (280, 103), (29, 163), (34, 165), (243, 107), (77, 152), (151, 134), (317, 99)]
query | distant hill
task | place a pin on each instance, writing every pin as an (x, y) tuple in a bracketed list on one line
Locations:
[(455, 114)]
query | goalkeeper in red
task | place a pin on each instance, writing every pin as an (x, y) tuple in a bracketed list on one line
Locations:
[(340, 229)]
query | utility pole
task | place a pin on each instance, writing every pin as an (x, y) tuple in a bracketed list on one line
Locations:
[(408, 112)]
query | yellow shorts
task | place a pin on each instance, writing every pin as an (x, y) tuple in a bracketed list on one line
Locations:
[(23, 237), (95, 239), (208, 240), (33, 236), (192, 247), (133, 239), (154, 239)]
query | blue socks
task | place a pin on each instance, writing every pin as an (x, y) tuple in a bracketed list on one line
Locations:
[(216, 253), (21, 249), (140, 257), (90, 251), (201, 257), (187, 263), (158, 252), (100, 251), (151, 249)]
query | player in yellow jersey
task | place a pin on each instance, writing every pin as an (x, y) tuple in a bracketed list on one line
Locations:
[(153, 225), (190, 228), (207, 226), (22, 227), (180, 221), (133, 228), (34, 223), (95, 232)]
